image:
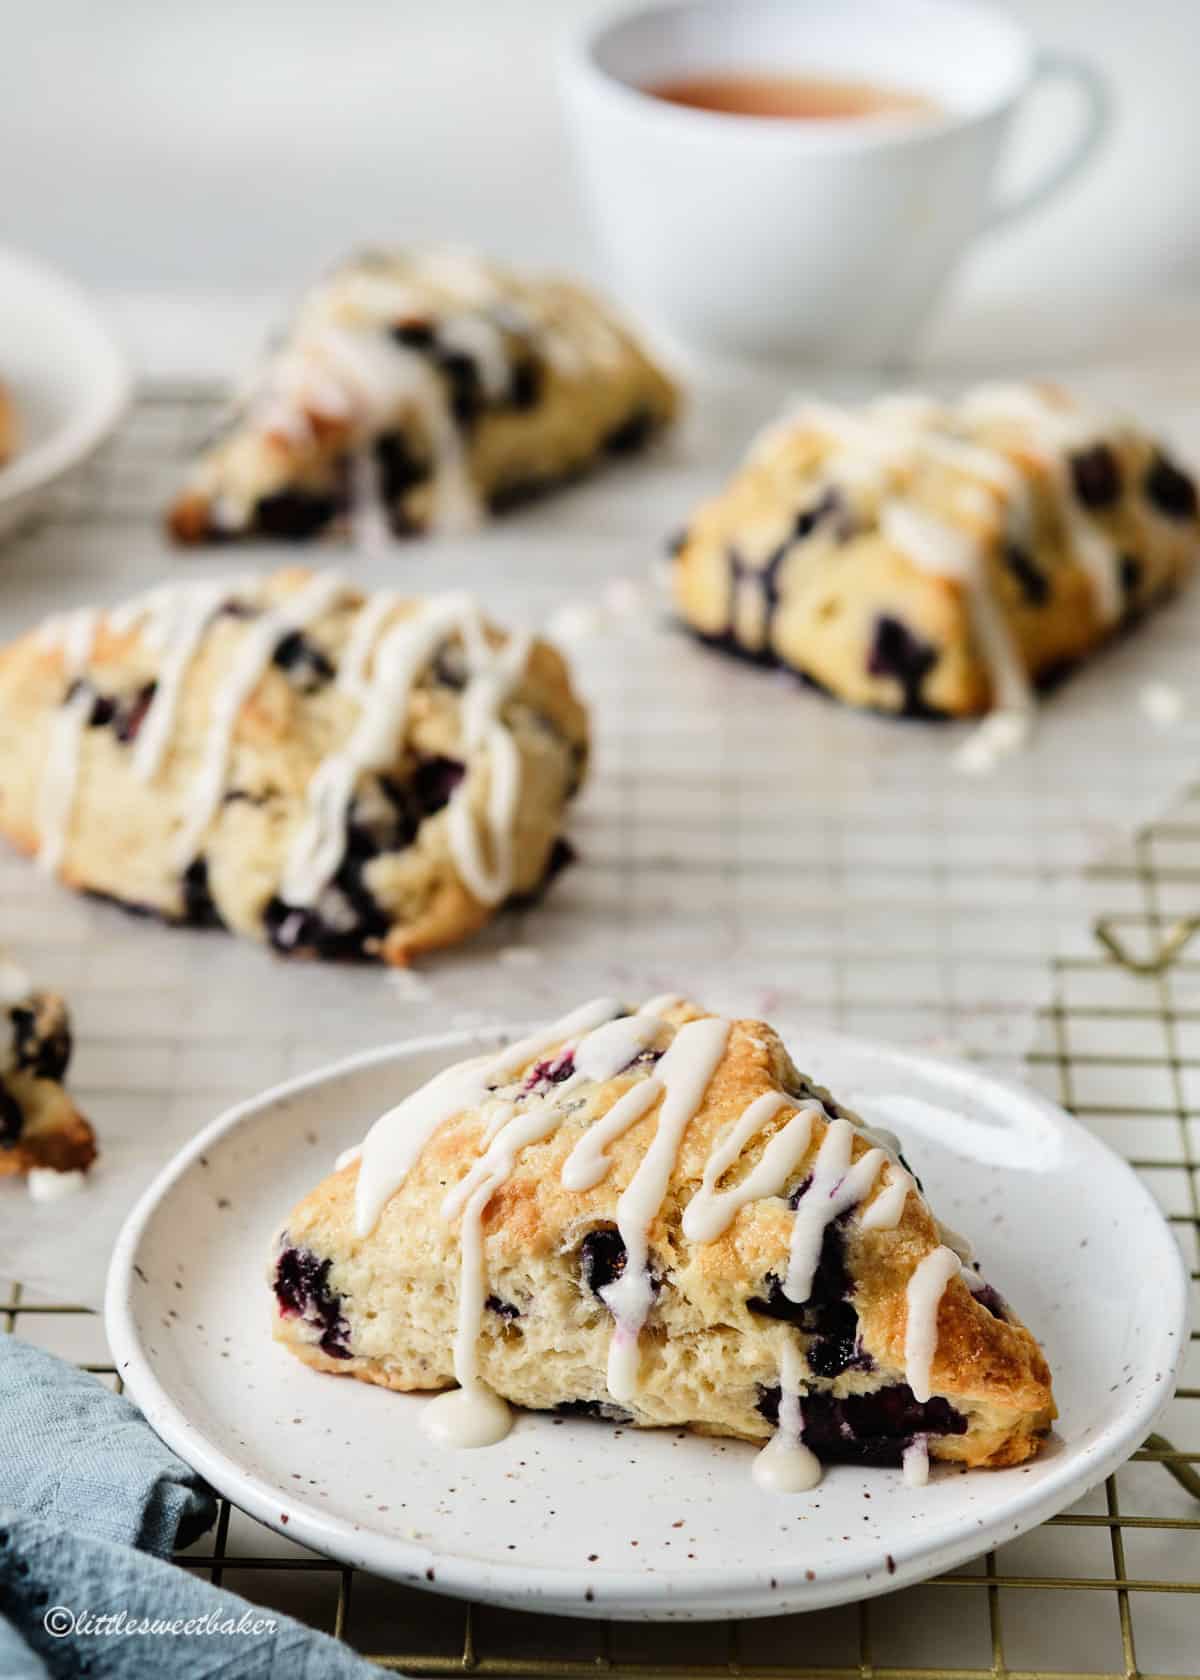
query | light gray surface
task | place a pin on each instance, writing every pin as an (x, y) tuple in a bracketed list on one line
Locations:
[(235, 145)]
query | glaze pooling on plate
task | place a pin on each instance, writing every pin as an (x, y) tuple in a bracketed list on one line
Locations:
[(418, 391), (652, 1216), (341, 774), (939, 559)]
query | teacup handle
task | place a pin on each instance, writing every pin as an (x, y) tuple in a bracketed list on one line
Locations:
[(1096, 119)]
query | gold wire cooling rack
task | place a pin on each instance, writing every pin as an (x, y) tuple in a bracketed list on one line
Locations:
[(1130, 1021), (1108, 1589)]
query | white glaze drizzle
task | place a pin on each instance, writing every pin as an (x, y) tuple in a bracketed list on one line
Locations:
[(683, 1075), (480, 1417), (926, 1287), (711, 1211), (836, 1187), (887, 1208), (364, 633), (74, 633), (179, 626), (261, 637), (915, 1462), (394, 1143), (785, 1464), (15, 984)]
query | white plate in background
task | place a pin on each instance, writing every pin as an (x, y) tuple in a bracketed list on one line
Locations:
[(67, 379), (577, 1518)]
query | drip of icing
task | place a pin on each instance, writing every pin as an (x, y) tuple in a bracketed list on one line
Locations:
[(368, 514), (950, 552), (712, 1211), (364, 633), (480, 339), (47, 1184), (335, 368), (916, 1462), (836, 1187), (348, 1157), (262, 636), (588, 1162), (1058, 430), (885, 1211), (483, 732), (684, 1074), (75, 634), (785, 1464), (179, 628), (467, 1417), (926, 1287), (478, 1417), (406, 649), (394, 1143)]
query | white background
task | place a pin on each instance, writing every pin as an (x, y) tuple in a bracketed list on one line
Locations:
[(150, 143)]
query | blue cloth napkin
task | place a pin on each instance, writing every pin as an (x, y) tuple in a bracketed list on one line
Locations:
[(91, 1503)]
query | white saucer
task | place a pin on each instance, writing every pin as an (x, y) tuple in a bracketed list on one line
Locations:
[(583, 1519), (68, 380)]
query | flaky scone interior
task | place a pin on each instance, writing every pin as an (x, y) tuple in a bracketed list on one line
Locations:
[(653, 1217), (340, 774), (40, 1127), (422, 389), (939, 559)]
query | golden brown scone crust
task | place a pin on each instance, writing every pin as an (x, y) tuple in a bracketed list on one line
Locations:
[(39, 1124), (538, 377), (706, 1357), (406, 896), (790, 564), (8, 426)]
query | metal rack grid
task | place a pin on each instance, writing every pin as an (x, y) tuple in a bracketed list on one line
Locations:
[(1119, 1043)]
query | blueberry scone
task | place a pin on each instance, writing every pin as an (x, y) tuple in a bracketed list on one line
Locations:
[(41, 1130), (938, 560), (428, 386), (654, 1218), (8, 426), (342, 775)]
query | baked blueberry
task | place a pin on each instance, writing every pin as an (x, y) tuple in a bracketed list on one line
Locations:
[(304, 663), (296, 515), (601, 1258), (897, 652), (1169, 489), (1096, 476), (302, 1291), (1035, 585)]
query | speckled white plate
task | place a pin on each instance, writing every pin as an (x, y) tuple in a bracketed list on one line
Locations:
[(68, 380), (581, 1518)]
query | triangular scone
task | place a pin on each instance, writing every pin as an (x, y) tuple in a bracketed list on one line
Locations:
[(937, 559), (655, 1218), (428, 387), (340, 774), (40, 1127)]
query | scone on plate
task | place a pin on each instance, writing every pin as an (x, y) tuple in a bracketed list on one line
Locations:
[(428, 386), (340, 774), (41, 1131), (938, 559), (8, 426), (653, 1217)]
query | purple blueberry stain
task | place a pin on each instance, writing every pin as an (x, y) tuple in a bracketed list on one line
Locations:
[(898, 652), (306, 666), (602, 1258), (302, 1291), (1096, 476), (1169, 489), (12, 1118), (1035, 586), (43, 1054), (547, 1073), (871, 1429), (506, 1310), (828, 1315)]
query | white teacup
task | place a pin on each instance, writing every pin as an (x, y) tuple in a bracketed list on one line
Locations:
[(792, 238)]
